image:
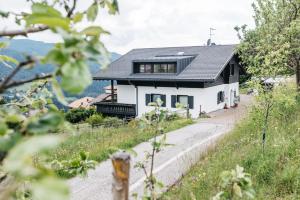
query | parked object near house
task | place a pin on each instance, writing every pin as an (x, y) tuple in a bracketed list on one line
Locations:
[(203, 78), (84, 102)]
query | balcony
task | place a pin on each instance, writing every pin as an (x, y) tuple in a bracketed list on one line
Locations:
[(116, 109)]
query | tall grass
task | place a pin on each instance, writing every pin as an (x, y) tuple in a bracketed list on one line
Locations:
[(275, 173), (101, 142)]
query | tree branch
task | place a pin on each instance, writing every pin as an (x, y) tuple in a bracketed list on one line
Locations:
[(17, 83), (72, 9), (24, 32), (5, 82)]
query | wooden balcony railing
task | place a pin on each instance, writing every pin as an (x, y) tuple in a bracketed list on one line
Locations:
[(116, 109)]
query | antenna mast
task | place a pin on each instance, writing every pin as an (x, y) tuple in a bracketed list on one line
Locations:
[(210, 32)]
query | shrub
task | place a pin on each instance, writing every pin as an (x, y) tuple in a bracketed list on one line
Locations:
[(79, 114), (112, 122), (95, 119), (133, 123)]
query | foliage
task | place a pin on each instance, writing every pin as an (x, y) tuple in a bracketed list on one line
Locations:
[(101, 141), (95, 119), (112, 122), (153, 120), (26, 123), (77, 115), (76, 166), (273, 47), (275, 175), (235, 184)]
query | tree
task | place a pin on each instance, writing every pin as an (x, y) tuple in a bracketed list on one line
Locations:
[(26, 123), (273, 47)]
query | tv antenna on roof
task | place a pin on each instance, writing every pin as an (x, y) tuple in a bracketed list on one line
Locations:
[(209, 43)]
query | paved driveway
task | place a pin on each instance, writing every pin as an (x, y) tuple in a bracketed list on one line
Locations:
[(189, 143)]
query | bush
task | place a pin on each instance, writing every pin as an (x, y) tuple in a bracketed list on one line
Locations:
[(95, 119), (112, 122), (133, 123), (79, 114)]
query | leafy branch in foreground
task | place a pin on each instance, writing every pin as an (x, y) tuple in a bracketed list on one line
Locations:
[(76, 166), (235, 184), (27, 124), (153, 119)]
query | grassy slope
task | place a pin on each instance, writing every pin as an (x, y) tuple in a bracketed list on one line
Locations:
[(276, 174), (101, 142)]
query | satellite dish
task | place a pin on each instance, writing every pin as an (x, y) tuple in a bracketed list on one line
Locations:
[(208, 42)]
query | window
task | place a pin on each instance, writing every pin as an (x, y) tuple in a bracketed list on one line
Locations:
[(154, 97), (220, 97), (142, 68), (231, 69), (171, 68), (148, 68), (155, 68), (182, 99)]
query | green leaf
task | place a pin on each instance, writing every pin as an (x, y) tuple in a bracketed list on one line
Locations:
[(50, 189), (75, 77), (52, 22), (19, 160), (4, 58), (58, 92), (78, 17), (92, 12), (3, 128), (45, 123), (40, 8), (94, 31)]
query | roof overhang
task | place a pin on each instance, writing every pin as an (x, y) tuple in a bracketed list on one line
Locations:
[(152, 79)]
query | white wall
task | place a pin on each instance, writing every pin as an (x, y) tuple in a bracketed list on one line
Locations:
[(206, 97), (126, 94)]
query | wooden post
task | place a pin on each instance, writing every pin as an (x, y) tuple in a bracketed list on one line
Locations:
[(200, 112), (121, 166), (188, 111), (112, 91)]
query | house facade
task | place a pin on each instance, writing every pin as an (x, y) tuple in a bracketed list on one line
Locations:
[(203, 78)]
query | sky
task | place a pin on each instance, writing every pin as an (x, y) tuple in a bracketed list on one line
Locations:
[(158, 23)]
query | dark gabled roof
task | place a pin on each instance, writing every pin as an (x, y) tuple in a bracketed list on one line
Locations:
[(207, 64)]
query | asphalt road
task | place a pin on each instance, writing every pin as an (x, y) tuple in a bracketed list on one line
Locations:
[(188, 145)]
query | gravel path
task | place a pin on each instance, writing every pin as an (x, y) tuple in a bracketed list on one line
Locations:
[(188, 144)]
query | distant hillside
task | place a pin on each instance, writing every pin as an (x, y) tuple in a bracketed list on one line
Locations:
[(19, 48)]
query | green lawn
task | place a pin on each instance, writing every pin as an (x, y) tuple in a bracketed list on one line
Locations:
[(101, 142), (275, 174)]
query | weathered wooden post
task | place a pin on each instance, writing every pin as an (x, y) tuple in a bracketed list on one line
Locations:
[(188, 111), (120, 185)]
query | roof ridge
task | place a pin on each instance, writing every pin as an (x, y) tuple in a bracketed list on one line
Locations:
[(185, 46)]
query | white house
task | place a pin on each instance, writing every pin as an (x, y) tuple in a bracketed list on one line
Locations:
[(206, 78)]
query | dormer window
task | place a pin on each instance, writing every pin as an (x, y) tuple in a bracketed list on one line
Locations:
[(156, 68)]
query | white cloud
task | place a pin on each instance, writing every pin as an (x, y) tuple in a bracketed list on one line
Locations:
[(156, 23)]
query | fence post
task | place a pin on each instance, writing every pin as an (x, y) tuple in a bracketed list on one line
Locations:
[(188, 111), (121, 168)]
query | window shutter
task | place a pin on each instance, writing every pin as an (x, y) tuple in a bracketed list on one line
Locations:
[(173, 101), (191, 102), (148, 99), (218, 98), (163, 98)]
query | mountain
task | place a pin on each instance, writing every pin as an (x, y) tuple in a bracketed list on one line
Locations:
[(19, 48)]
